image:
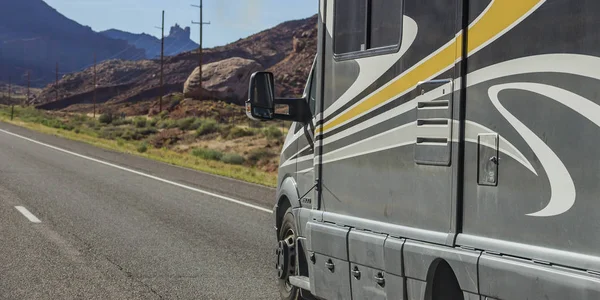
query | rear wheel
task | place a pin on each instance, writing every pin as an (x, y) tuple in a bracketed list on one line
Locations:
[(286, 257)]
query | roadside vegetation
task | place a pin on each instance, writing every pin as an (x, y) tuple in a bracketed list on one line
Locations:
[(247, 150)]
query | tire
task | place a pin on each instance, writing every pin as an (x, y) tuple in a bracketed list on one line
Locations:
[(288, 230)]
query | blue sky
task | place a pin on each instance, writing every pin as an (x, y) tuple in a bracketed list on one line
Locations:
[(230, 19)]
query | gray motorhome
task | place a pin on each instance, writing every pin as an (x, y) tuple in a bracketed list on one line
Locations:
[(442, 150)]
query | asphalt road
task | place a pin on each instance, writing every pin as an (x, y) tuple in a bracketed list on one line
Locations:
[(109, 230)]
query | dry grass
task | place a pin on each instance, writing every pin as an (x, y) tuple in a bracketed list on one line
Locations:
[(172, 157)]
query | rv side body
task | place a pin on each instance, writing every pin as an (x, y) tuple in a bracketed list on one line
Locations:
[(453, 152)]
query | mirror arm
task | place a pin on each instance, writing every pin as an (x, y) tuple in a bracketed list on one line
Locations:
[(299, 109)]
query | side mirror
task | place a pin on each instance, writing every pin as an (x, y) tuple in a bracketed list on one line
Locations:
[(261, 96), (261, 104)]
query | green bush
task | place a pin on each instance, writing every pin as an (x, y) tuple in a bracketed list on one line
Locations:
[(167, 124), (152, 122), (208, 126), (77, 130), (142, 148), (140, 122), (175, 100), (255, 124), (78, 120), (147, 131), (207, 154), (106, 118), (237, 132), (257, 155), (91, 123), (50, 123), (185, 124), (232, 159), (68, 127), (129, 135), (272, 133), (111, 133), (224, 130), (120, 142), (121, 121), (163, 115), (197, 123)]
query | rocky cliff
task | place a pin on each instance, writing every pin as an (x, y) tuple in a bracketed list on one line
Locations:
[(178, 41), (34, 37)]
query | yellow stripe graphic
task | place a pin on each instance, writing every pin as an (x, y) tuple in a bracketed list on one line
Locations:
[(499, 17)]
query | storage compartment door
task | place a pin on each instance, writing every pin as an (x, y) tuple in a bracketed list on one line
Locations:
[(328, 260)]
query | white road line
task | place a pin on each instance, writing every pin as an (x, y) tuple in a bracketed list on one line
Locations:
[(143, 174), (28, 214)]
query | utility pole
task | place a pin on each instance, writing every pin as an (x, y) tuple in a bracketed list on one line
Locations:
[(95, 85), (56, 83), (201, 23), (28, 86), (162, 62), (12, 107)]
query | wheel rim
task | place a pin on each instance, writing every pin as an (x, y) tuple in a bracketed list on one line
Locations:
[(286, 258)]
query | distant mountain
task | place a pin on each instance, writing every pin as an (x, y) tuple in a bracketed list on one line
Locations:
[(288, 50), (34, 37), (178, 41)]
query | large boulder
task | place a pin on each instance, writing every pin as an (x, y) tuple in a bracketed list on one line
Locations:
[(226, 80)]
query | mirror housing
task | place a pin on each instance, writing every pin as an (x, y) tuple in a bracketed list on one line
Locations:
[(262, 104)]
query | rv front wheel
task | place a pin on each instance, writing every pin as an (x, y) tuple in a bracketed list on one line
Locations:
[(286, 257)]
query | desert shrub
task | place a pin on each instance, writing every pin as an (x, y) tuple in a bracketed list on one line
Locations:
[(233, 159), (140, 122), (54, 123), (185, 124), (91, 123), (207, 154), (106, 118), (78, 119), (111, 132), (28, 114), (163, 115), (257, 155), (152, 122), (129, 135), (224, 130), (146, 131), (68, 127), (121, 121), (175, 100), (167, 124), (255, 124), (208, 126), (273, 133), (142, 148), (196, 124), (166, 137), (238, 132)]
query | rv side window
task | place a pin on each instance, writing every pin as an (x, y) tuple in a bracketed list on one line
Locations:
[(386, 23), (363, 27), (350, 25)]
